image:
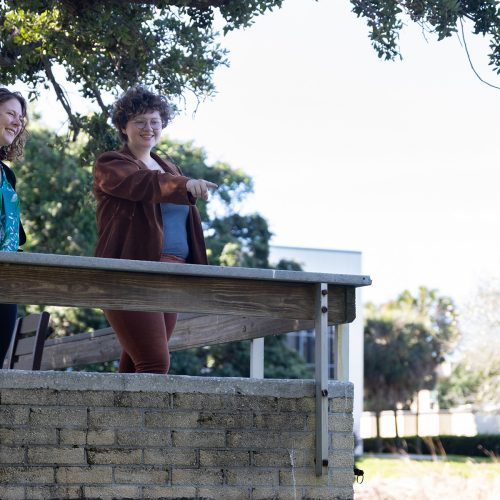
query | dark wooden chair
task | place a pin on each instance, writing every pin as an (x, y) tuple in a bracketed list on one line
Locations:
[(29, 337)]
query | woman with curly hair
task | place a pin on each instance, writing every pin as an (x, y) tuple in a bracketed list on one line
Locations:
[(145, 211), (12, 138)]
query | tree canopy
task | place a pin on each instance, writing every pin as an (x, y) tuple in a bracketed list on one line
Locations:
[(172, 45), (386, 18), (475, 374), (405, 341), (109, 46)]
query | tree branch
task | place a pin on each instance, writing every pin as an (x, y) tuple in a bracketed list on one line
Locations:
[(99, 100), (61, 97)]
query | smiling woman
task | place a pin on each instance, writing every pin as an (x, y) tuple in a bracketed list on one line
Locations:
[(146, 210), (12, 138)]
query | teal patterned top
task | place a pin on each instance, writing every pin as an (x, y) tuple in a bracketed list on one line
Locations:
[(10, 216)]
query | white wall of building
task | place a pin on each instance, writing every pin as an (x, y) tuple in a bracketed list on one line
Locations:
[(336, 262)]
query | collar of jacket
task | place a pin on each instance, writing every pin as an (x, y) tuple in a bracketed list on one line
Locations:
[(167, 165)]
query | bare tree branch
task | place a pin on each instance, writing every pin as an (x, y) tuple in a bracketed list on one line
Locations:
[(61, 97), (99, 100)]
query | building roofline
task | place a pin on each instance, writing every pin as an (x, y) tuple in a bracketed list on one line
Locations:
[(316, 249)]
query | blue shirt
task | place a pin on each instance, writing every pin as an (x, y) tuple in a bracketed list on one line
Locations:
[(10, 216), (175, 240)]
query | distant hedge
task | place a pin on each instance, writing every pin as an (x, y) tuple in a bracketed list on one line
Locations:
[(482, 445)]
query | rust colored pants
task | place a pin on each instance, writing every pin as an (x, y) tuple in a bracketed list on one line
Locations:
[(144, 336)]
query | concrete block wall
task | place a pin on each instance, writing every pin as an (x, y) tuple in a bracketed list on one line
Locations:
[(76, 435)]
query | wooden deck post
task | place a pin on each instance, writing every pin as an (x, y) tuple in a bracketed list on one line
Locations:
[(341, 355), (257, 358)]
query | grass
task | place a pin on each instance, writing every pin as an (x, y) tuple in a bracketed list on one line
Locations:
[(453, 465), (461, 478)]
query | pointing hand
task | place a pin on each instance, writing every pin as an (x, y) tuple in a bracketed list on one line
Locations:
[(199, 187)]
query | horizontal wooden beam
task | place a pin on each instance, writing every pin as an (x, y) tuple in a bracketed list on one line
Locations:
[(151, 286), (192, 330)]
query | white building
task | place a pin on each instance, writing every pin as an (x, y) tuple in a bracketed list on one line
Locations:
[(334, 262)]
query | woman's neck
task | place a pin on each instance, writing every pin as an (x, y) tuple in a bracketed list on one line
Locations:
[(142, 154)]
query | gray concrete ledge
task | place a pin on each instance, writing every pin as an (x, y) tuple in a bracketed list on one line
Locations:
[(91, 381), (71, 261)]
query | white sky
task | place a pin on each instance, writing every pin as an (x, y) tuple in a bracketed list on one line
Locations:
[(398, 160)]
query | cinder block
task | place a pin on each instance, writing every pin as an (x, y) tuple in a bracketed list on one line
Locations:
[(143, 438), (250, 476), (27, 436), (224, 493), (280, 421), (255, 403), (340, 422), (309, 458), (170, 457), (12, 455), (297, 404), (340, 405), (48, 416), (278, 458), (53, 492), (106, 418), (141, 475), (114, 456), (328, 493), (84, 475), (56, 455), (311, 422), (202, 476), (213, 420), (147, 443), (224, 458), (342, 440), (170, 419), (12, 492), (337, 389), (160, 492), (276, 493), (28, 397), (85, 398), (73, 437), (260, 439), (26, 475), (112, 492), (341, 458), (14, 414), (101, 437), (142, 399), (187, 401), (198, 439), (341, 478), (302, 476)]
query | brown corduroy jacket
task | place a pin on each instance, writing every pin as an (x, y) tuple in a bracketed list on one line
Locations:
[(128, 216)]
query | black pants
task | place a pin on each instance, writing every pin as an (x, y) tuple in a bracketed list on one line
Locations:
[(8, 315)]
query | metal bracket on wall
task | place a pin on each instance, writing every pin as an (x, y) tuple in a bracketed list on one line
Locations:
[(321, 376)]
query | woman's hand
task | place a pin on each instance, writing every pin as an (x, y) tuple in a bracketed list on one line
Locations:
[(199, 187)]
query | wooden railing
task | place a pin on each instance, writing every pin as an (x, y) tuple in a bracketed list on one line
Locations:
[(243, 303)]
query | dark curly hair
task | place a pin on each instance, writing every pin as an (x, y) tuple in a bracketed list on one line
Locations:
[(135, 101), (15, 150)]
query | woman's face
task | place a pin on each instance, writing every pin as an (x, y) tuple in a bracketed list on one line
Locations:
[(11, 121), (143, 131)]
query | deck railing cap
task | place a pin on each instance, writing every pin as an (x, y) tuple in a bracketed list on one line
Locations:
[(140, 266)]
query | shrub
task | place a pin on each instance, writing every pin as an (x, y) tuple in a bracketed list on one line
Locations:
[(481, 445)]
